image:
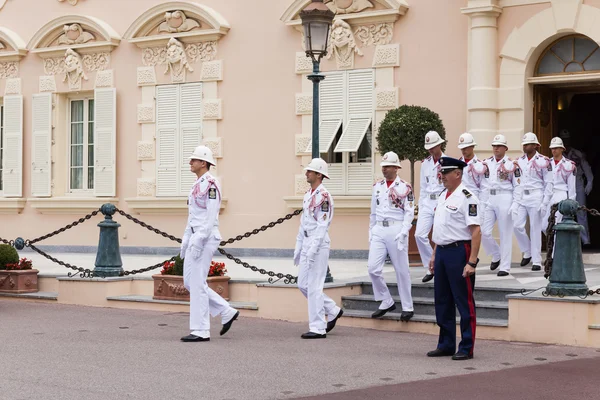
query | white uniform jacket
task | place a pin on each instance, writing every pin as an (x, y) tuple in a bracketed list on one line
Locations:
[(454, 215), (317, 215), (473, 175), (431, 180), (500, 177), (536, 176), (394, 203), (565, 173)]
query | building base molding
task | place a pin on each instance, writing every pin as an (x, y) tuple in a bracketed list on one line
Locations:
[(162, 206)]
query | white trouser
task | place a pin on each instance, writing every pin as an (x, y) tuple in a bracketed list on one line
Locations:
[(202, 298), (311, 279), (582, 215), (530, 247), (557, 197), (424, 224), (497, 210), (382, 244)]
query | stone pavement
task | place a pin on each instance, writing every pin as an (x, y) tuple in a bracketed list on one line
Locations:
[(51, 351)]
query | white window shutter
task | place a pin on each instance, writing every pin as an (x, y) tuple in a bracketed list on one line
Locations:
[(331, 109), (167, 127), (41, 144), (360, 178), (12, 168), (105, 141), (190, 132), (361, 89), (353, 135), (336, 182)]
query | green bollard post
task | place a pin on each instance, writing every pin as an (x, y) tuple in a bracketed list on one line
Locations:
[(568, 276), (108, 258)]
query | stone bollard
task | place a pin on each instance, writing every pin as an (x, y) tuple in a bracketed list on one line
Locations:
[(108, 259), (568, 276)]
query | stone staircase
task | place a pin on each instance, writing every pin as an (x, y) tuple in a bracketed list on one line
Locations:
[(491, 304)]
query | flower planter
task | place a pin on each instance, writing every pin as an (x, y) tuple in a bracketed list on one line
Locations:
[(170, 287), (23, 281)]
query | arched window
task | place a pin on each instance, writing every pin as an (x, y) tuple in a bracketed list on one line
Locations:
[(570, 55)]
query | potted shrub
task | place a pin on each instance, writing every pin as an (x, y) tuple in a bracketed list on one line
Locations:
[(168, 285), (16, 276)]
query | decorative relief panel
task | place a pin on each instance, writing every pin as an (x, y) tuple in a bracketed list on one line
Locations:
[(9, 69), (91, 62), (387, 56), (145, 151), (342, 44), (176, 22), (304, 104), (301, 186), (212, 71), (203, 51), (215, 145), (376, 34), (74, 70), (145, 187), (146, 76), (145, 113), (13, 86), (104, 78), (74, 34), (47, 84), (213, 109), (348, 6), (387, 98), (304, 64), (302, 142)]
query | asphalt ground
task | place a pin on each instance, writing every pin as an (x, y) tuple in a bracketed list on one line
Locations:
[(51, 351)]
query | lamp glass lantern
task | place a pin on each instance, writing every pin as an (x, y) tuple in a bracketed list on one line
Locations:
[(316, 20)]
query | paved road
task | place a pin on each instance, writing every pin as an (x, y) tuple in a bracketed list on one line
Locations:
[(50, 351)]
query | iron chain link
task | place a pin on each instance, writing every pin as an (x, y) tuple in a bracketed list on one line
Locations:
[(149, 227), (65, 228), (83, 272)]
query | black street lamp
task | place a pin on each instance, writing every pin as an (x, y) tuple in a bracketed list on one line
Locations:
[(316, 20)]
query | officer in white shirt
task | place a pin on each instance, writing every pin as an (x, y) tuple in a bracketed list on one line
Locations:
[(457, 237), (473, 172), (312, 252), (392, 213), (430, 188), (565, 173), (200, 240), (500, 178), (535, 190)]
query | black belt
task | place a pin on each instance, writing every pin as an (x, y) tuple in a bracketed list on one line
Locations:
[(455, 244)]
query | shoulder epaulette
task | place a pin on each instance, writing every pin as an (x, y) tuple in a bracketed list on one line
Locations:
[(467, 193)]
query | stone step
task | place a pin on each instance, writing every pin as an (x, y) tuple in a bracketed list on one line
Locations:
[(423, 318), (426, 290), (425, 306), (36, 295)]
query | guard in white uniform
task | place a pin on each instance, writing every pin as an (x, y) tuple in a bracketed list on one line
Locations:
[(200, 240), (565, 172), (392, 213), (474, 171), (535, 190), (430, 188), (312, 252), (500, 179)]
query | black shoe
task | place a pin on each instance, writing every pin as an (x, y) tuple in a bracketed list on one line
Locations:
[(312, 335), (381, 313), (194, 338), (331, 324), (502, 273), (494, 265), (427, 278), (525, 261), (536, 268), (406, 316), (440, 353), (460, 356), (226, 326)]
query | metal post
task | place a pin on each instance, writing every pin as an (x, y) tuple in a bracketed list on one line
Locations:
[(108, 258), (568, 276)]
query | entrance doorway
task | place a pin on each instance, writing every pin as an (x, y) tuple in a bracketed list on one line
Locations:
[(577, 109)]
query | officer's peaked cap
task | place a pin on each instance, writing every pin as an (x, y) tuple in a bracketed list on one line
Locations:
[(449, 163)]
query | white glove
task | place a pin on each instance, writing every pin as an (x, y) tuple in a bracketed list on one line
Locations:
[(588, 188), (542, 208), (401, 241), (185, 242), (311, 255), (513, 209), (297, 256), (198, 242)]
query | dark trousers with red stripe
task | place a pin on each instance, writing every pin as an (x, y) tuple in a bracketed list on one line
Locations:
[(452, 289)]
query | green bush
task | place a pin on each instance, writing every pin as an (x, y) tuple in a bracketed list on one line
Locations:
[(403, 131), (8, 255)]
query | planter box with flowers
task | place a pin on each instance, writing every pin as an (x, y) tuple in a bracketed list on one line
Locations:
[(168, 285), (16, 276)]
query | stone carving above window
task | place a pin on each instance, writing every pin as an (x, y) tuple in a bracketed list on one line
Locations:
[(74, 34), (376, 34), (9, 69), (176, 22), (91, 62), (203, 51), (348, 6), (343, 45), (74, 70), (177, 62)]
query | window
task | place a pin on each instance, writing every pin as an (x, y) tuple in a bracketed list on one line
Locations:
[(572, 54), (81, 145), (346, 125)]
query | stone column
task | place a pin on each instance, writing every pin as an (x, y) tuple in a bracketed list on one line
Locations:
[(482, 97)]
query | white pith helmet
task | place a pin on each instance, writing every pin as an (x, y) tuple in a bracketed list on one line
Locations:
[(318, 165), (432, 139), (500, 140), (203, 153), (390, 159), (557, 142), (530, 138), (466, 140)]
